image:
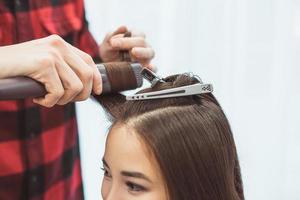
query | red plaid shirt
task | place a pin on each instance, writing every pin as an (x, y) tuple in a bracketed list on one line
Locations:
[(39, 152)]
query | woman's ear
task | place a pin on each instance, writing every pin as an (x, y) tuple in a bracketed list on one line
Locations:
[(112, 104)]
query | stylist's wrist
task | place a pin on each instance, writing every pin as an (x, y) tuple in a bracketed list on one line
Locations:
[(8, 64)]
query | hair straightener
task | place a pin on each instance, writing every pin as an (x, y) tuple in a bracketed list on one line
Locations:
[(116, 79)]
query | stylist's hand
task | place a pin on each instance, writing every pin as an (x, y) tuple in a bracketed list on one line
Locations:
[(137, 46), (68, 73)]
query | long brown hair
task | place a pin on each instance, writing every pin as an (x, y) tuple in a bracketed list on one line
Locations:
[(190, 138)]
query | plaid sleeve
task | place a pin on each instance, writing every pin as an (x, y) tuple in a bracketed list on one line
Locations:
[(39, 147)]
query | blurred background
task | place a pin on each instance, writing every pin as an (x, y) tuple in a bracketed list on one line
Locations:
[(249, 50)]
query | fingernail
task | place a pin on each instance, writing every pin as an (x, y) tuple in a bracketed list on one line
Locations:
[(98, 89)]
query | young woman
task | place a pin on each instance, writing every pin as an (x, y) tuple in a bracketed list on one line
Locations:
[(177, 148)]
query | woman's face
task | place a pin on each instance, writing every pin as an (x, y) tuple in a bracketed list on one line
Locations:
[(130, 171)]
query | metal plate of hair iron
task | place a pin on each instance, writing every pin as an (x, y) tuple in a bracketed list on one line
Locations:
[(151, 76), (188, 90)]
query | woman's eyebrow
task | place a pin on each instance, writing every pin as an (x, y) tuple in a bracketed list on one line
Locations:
[(136, 175), (105, 163)]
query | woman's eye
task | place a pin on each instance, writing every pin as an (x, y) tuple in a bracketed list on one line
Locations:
[(106, 173), (132, 187)]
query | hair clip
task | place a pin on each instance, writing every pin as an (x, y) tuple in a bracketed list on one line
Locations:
[(188, 90), (151, 77)]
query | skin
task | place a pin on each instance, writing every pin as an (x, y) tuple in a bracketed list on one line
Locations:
[(68, 73), (130, 170), (137, 46)]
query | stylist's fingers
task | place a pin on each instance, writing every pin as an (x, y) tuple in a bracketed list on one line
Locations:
[(117, 33), (127, 43), (70, 81), (84, 72), (97, 80), (134, 34), (54, 87), (141, 53)]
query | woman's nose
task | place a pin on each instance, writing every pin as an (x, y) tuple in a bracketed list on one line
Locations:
[(112, 195)]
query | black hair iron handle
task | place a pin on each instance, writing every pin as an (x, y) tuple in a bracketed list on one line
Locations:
[(20, 88), (24, 87)]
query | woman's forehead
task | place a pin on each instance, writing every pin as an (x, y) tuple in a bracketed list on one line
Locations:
[(123, 142), (126, 151)]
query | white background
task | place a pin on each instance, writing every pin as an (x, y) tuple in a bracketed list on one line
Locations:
[(249, 50)]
